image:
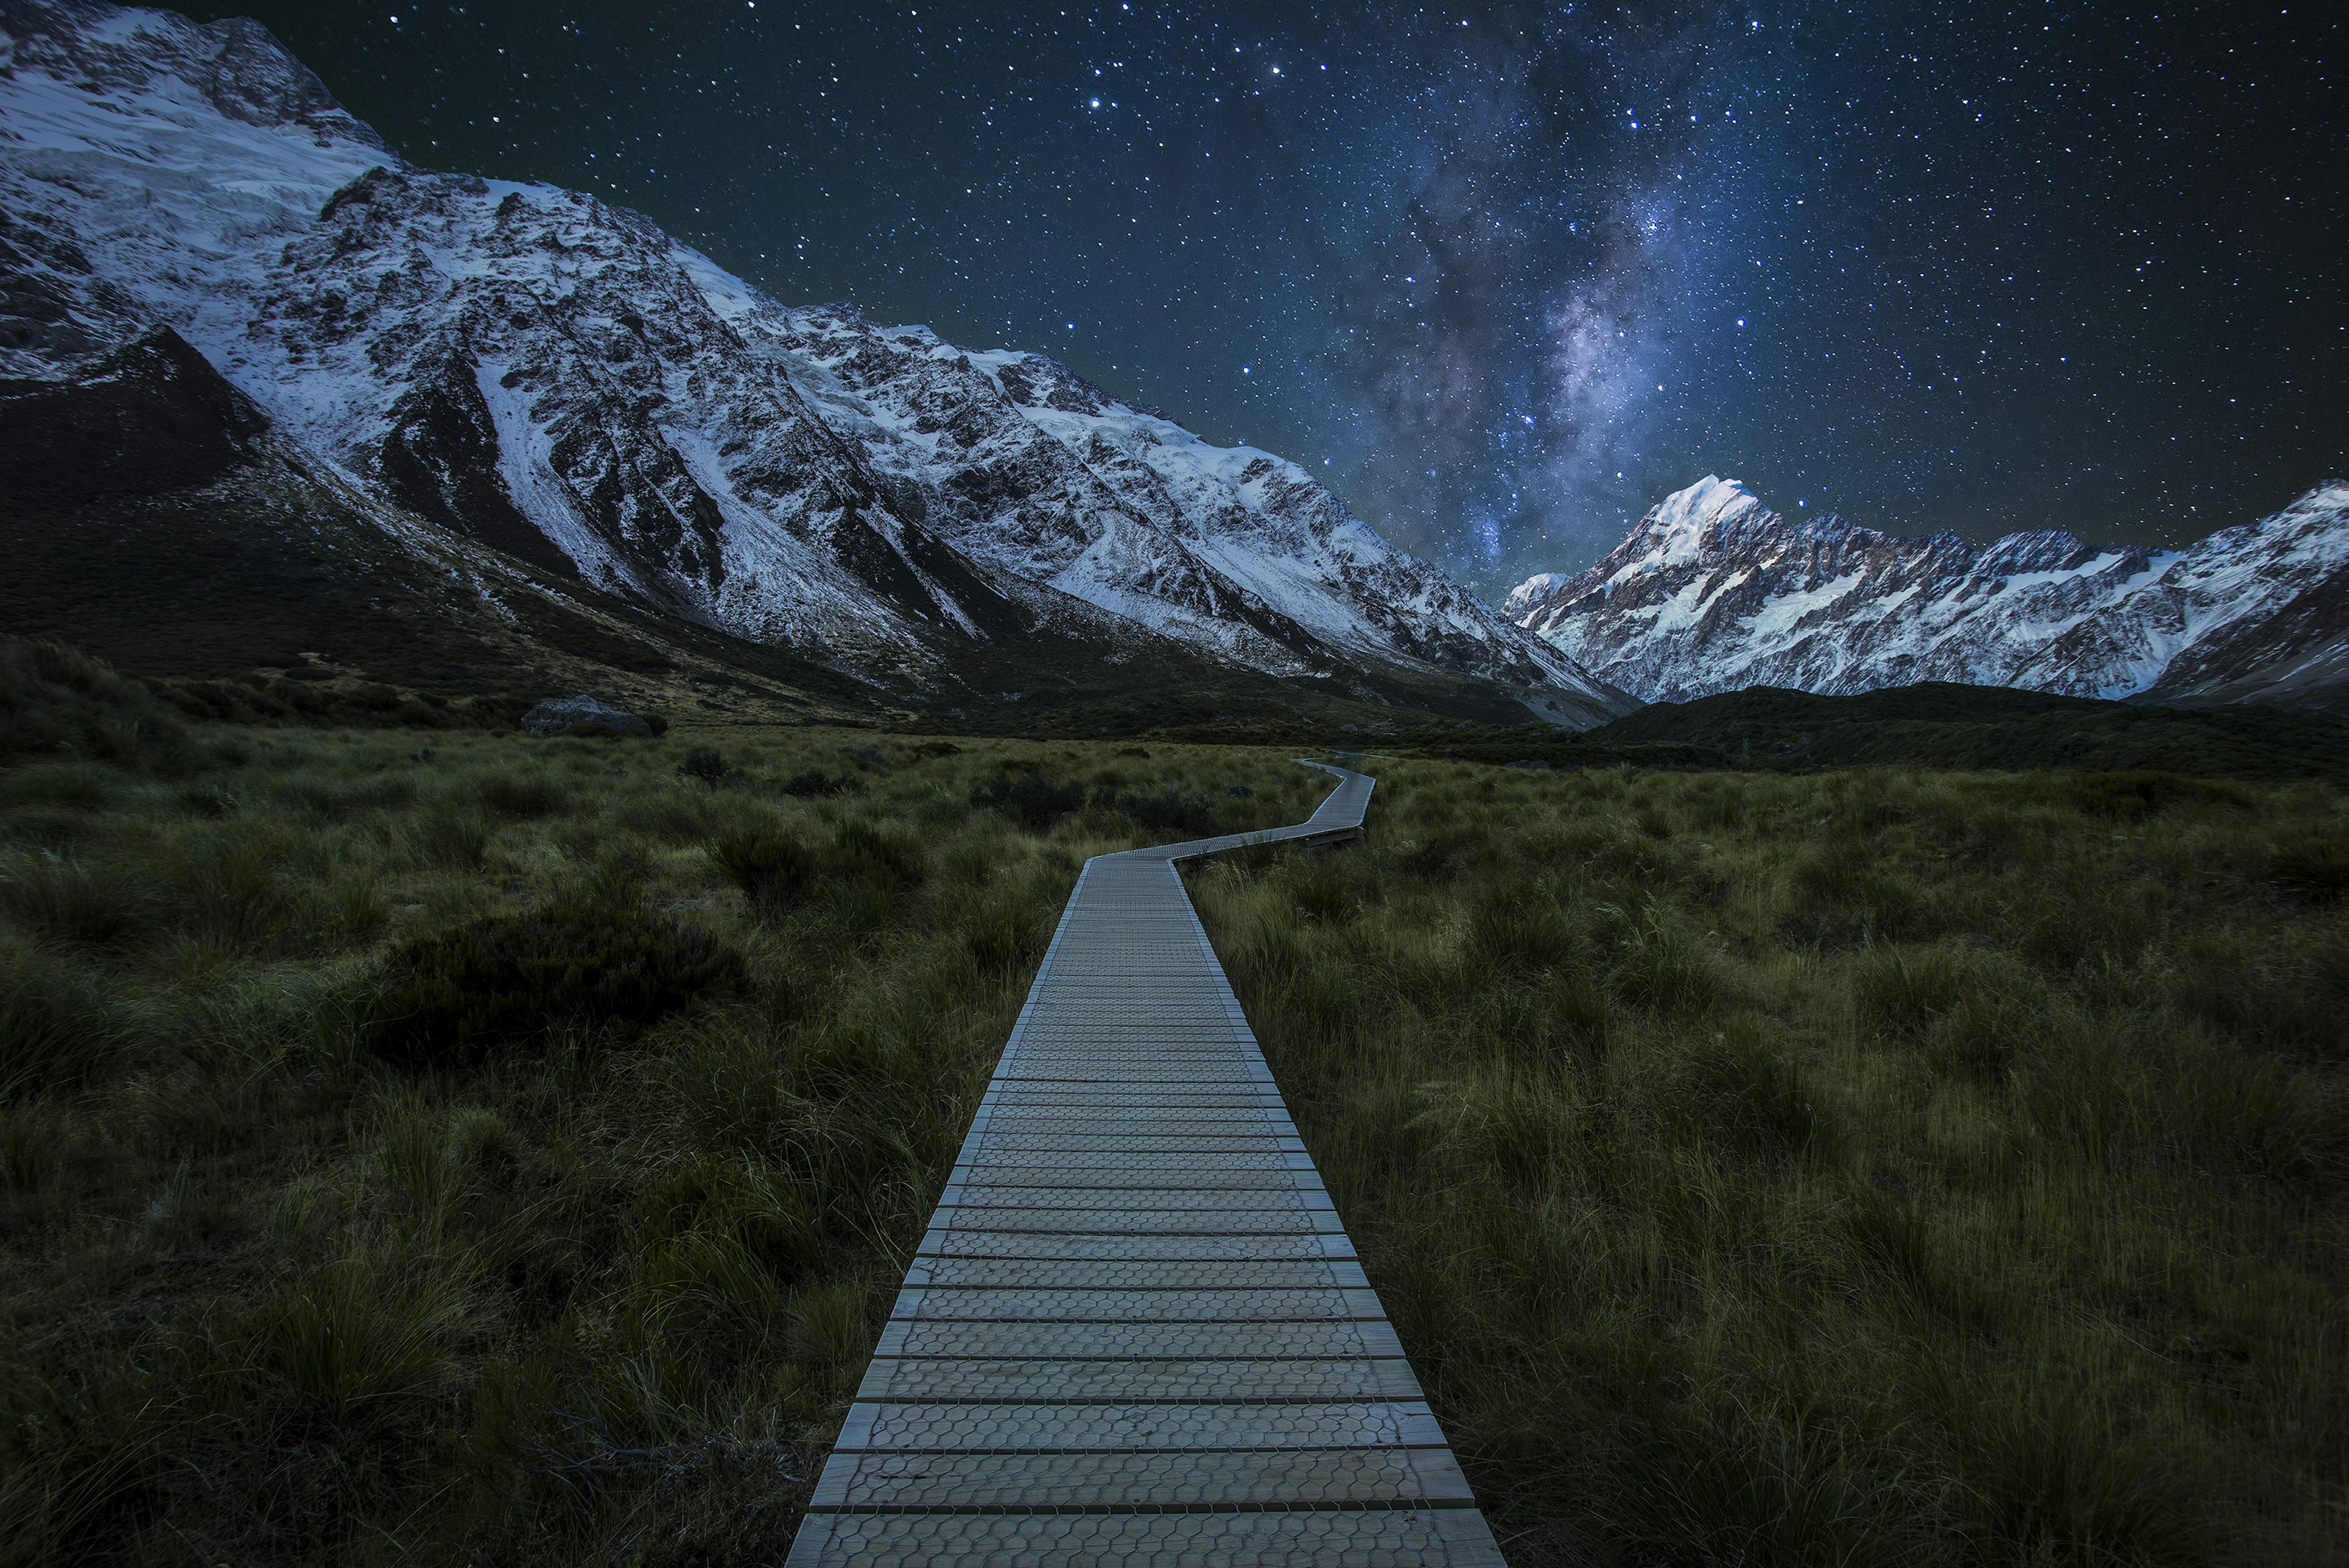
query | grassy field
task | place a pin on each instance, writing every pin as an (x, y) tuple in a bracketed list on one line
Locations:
[(300, 1261), (1871, 1166), (1866, 1167)]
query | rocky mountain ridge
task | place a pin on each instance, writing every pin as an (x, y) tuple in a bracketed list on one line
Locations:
[(541, 374), (1713, 592)]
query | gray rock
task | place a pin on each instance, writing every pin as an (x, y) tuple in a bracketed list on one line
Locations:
[(564, 715)]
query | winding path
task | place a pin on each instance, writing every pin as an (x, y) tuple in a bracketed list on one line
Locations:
[(1135, 1331)]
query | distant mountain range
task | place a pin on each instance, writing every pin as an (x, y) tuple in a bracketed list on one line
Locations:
[(1714, 592), (468, 424)]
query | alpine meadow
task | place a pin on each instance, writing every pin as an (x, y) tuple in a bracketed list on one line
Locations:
[(1876, 1165)]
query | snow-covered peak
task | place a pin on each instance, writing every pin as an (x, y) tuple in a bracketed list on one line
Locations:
[(1531, 594), (139, 63), (1713, 592), (1688, 522)]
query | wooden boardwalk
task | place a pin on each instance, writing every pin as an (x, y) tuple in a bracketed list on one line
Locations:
[(1135, 1331)]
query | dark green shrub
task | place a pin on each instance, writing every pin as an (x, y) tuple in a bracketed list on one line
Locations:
[(703, 763), (452, 997), (816, 782), (1167, 813), (1030, 800), (770, 867), (525, 797), (2127, 797)]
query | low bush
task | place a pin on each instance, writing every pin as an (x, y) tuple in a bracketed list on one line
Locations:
[(523, 797), (1032, 800), (815, 782), (448, 999), (1165, 813), (2129, 796), (705, 764), (773, 868)]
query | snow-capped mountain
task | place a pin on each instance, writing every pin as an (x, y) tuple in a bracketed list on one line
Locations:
[(559, 380), (1713, 591)]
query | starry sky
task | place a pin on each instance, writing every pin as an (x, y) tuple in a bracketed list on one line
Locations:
[(1504, 275)]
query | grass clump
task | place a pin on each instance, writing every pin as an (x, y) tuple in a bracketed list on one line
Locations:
[(2314, 867), (512, 980), (57, 700)]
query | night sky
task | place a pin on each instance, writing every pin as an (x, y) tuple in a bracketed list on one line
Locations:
[(1506, 275)]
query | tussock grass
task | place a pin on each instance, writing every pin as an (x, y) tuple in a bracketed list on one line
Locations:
[(347, 1214), (1867, 1168)]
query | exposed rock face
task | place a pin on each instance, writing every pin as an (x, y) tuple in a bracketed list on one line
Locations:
[(565, 715), (1714, 592), (557, 378)]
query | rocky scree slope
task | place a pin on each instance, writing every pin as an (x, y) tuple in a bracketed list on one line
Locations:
[(557, 379), (1714, 592)]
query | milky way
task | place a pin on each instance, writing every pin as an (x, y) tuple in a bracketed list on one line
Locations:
[(1504, 275)]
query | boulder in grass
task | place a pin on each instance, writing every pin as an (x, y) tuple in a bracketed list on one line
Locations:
[(585, 715)]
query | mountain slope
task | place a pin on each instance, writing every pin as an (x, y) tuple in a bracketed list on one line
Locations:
[(532, 371), (1713, 592), (154, 517)]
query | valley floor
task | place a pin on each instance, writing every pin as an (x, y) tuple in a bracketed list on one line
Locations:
[(1868, 1166)]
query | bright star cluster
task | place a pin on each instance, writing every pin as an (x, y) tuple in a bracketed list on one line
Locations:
[(1504, 274)]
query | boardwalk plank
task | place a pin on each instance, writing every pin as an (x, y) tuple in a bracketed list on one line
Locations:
[(1135, 1331)]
